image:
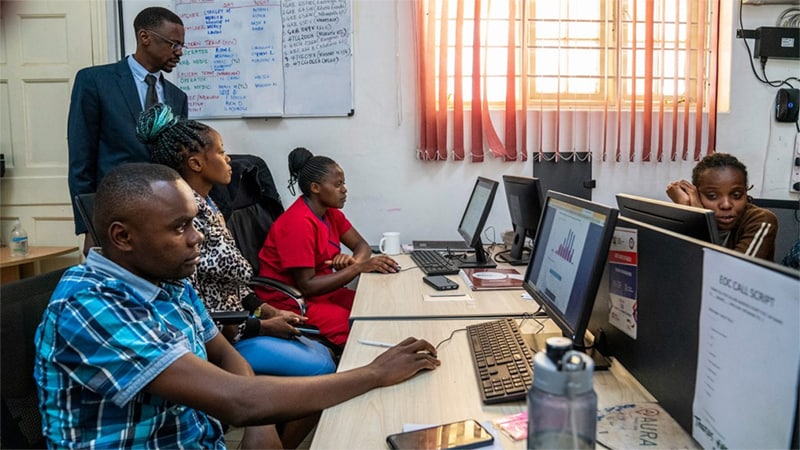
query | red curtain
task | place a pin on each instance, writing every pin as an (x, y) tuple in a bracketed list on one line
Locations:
[(644, 118)]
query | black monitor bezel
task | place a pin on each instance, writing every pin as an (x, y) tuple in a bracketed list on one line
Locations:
[(574, 331), (697, 223), (474, 239), (529, 188)]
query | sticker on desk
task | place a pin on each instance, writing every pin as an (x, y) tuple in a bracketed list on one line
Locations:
[(640, 425), (448, 297), (514, 426)]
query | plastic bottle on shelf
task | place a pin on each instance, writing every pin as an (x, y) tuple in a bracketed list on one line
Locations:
[(19, 240)]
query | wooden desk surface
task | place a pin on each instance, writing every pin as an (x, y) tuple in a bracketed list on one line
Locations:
[(35, 253), (447, 394), (400, 296)]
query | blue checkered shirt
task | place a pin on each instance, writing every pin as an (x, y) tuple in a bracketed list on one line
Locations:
[(105, 335)]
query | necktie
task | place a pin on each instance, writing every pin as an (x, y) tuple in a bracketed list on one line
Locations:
[(150, 98)]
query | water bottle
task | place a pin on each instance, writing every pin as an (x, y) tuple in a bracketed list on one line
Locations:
[(19, 240), (562, 404)]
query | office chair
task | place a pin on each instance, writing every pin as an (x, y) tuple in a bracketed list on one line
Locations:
[(84, 203), (250, 205), (21, 310)]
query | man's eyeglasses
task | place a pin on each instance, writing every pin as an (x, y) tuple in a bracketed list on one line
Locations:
[(175, 44)]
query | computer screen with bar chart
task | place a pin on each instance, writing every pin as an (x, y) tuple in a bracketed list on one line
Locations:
[(568, 258)]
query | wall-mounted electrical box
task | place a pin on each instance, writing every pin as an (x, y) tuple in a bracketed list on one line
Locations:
[(794, 180), (777, 42)]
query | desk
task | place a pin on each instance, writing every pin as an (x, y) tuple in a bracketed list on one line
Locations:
[(13, 268), (400, 296), (446, 394)]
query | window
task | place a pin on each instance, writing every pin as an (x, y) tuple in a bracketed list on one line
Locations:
[(652, 61)]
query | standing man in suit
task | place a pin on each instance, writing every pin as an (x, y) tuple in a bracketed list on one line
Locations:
[(107, 100)]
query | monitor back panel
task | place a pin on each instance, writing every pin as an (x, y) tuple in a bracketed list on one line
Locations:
[(664, 355)]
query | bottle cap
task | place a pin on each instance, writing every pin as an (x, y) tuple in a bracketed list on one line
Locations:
[(556, 347), (573, 374)]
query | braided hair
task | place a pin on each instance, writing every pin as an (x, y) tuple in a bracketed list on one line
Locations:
[(170, 139), (720, 161), (305, 168), (717, 161)]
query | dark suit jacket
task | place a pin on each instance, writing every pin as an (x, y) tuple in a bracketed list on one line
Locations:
[(101, 129)]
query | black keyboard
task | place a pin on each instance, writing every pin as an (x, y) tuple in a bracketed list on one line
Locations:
[(433, 263), (502, 360)]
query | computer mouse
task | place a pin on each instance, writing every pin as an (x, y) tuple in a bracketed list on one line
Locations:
[(396, 270)]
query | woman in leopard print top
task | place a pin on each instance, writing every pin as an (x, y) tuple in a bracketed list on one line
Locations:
[(196, 151)]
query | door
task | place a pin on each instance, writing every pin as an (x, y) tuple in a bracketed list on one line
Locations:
[(42, 45)]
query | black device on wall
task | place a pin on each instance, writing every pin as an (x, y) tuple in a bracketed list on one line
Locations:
[(787, 105), (777, 42)]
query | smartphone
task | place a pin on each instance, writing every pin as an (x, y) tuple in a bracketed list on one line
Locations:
[(308, 329), (463, 434), (440, 282)]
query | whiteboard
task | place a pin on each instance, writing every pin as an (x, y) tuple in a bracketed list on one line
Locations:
[(266, 58)]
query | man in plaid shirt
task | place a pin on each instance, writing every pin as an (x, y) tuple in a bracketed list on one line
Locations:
[(127, 355)]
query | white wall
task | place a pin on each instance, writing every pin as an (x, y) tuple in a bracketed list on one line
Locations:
[(389, 189)]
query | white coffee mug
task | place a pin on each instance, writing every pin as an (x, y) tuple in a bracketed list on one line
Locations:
[(390, 243)]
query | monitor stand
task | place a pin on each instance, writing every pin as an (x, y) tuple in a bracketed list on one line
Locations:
[(600, 361), (477, 261), (523, 261)]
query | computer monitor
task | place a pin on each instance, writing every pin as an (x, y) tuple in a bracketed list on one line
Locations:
[(525, 198), (662, 354), (473, 220), (569, 255), (689, 221)]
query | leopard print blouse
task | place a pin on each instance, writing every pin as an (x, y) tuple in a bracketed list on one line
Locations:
[(222, 275)]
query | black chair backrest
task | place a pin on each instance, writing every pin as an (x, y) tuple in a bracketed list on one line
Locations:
[(85, 205), (21, 308), (250, 204)]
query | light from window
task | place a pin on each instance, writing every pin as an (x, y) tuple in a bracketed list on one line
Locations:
[(587, 53)]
